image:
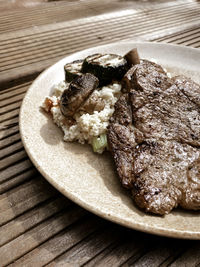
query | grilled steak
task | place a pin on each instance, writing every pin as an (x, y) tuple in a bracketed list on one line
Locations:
[(154, 137)]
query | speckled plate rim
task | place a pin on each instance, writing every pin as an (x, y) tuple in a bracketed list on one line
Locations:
[(98, 210)]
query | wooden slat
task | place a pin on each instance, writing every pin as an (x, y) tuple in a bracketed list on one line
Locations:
[(7, 117), (18, 179), (11, 149), (185, 37), (37, 51), (14, 165), (15, 90), (14, 170), (189, 37), (7, 5), (117, 254), (25, 37), (39, 234), (136, 257), (31, 218), (11, 107), (10, 140), (63, 11), (60, 243), (11, 104), (88, 248), (191, 42), (9, 123), (12, 159), (191, 257), (7, 97), (156, 256), (66, 29), (55, 13), (48, 34), (24, 197), (7, 131), (179, 35), (95, 261)]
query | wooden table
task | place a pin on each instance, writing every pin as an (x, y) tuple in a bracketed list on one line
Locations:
[(39, 226)]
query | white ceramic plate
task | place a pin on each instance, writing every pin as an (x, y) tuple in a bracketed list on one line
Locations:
[(90, 179)]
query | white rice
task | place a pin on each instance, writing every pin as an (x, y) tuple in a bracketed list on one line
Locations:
[(86, 125)]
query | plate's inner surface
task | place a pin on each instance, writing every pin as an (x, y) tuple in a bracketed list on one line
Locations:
[(90, 179)]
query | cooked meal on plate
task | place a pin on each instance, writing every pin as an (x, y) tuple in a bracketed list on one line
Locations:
[(148, 120)]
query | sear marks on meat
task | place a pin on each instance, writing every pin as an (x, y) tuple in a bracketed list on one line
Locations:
[(188, 88), (170, 115), (78, 92), (161, 168), (122, 136), (147, 77), (154, 137)]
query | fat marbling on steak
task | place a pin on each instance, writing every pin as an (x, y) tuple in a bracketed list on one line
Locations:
[(154, 137)]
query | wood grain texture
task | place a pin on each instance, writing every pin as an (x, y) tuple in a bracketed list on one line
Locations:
[(42, 232), (182, 36), (18, 179), (88, 248), (116, 255), (5, 152), (31, 218), (58, 11), (12, 159), (17, 168), (24, 197), (60, 243), (9, 122), (6, 142), (8, 130), (24, 52), (191, 257)]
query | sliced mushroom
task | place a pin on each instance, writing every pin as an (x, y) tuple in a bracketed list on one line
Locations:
[(132, 57), (78, 92)]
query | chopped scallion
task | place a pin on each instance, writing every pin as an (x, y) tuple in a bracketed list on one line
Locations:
[(99, 143)]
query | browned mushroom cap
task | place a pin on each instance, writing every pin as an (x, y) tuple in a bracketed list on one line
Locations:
[(77, 93), (132, 57)]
